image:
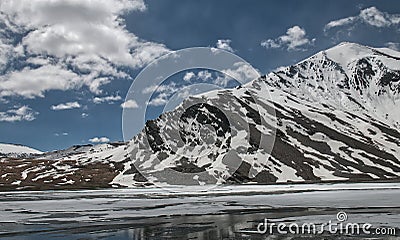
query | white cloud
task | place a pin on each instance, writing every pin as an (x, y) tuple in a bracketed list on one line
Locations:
[(65, 106), (169, 88), (7, 50), (160, 100), (294, 39), (223, 80), (225, 44), (204, 75), (75, 43), (376, 18), (369, 16), (270, 43), (23, 113), (39, 61), (84, 115), (32, 83), (99, 140), (130, 104), (340, 22), (162, 92), (189, 76), (109, 99), (150, 89), (61, 134), (183, 94), (242, 72)]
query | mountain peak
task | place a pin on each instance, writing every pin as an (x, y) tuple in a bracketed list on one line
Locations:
[(348, 76), (347, 52), (351, 45), (345, 43)]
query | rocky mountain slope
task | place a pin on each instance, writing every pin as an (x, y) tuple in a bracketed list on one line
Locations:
[(331, 117)]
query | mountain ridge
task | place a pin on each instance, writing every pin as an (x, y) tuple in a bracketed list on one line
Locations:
[(322, 122), (367, 80), (8, 148)]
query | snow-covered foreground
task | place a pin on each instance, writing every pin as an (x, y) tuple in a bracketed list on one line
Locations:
[(188, 211)]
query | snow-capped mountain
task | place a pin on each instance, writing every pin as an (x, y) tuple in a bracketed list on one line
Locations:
[(335, 120), (13, 149), (348, 76), (331, 117)]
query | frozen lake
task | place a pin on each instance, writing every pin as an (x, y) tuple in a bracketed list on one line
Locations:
[(192, 212)]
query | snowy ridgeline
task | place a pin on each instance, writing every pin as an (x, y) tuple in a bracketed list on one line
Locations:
[(17, 150), (331, 117)]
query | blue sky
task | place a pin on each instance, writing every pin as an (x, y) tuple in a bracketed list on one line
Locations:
[(66, 67)]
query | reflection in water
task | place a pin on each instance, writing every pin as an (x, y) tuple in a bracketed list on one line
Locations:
[(207, 227), (223, 214)]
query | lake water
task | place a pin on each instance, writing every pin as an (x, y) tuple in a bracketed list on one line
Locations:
[(228, 212)]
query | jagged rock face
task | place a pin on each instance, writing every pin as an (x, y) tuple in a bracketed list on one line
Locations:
[(330, 125), (204, 140), (348, 76), (331, 117)]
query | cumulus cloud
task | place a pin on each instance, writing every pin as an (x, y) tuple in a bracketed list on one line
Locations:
[(63, 45), (295, 39), (225, 44), (65, 106), (370, 16), (130, 104), (32, 83), (109, 99), (23, 113), (160, 100), (99, 140), (164, 92), (204, 75), (189, 76), (166, 88), (242, 72)]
